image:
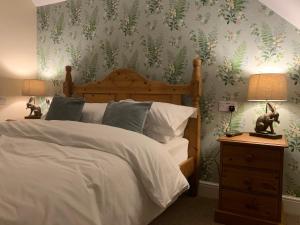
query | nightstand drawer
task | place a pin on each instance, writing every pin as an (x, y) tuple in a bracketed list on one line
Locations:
[(251, 181), (251, 156), (250, 205)]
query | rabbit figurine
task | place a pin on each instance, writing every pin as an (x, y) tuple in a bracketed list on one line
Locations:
[(35, 111), (265, 121)]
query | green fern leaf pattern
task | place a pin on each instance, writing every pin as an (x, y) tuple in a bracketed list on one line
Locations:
[(293, 136), (58, 76), (294, 67), (111, 52), (233, 11), (176, 14), (154, 6), (75, 56), (200, 3), (90, 27), (237, 119), (221, 126), (267, 40), (205, 45), (238, 58), (174, 71), (153, 51), (43, 18), (294, 71), (208, 103), (42, 54), (111, 9), (89, 68), (230, 71), (57, 30), (271, 44), (74, 7), (129, 23)]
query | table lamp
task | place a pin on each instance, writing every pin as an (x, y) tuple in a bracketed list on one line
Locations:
[(33, 88), (267, 87)]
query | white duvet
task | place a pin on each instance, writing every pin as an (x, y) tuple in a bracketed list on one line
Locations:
[(71, 173)]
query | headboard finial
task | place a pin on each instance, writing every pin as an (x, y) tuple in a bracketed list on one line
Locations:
[(68, 69), (197, 69), (68, 84), (197, 61)]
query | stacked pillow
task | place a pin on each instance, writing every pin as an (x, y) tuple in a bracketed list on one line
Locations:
[(93, 112), (63, 108), (158, 120), (127, 115), (163, 122), (167, 121)]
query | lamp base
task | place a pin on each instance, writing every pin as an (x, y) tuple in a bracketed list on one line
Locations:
[(266, 135), (233, 133)]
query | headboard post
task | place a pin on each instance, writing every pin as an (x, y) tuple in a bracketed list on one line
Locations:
[(196, 82), (193, 129), (68, 84)]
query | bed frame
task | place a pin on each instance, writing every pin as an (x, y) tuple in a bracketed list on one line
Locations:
[(128, 84)]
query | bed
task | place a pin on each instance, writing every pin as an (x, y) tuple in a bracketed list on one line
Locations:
[(127, 84), (65, 172)]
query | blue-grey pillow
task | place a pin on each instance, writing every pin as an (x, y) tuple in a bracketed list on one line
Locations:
[(127, 115), (64, 108)]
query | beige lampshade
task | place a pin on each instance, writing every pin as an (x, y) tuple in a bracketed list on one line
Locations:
[(34, 88), (270, 87)]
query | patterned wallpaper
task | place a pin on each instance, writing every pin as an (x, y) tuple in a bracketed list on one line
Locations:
[(159, 38)]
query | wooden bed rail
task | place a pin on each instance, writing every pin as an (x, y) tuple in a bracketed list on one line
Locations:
[(128, 84)]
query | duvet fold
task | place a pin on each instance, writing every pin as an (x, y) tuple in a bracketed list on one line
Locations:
[(68, 169)]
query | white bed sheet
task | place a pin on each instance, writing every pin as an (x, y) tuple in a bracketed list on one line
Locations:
[(178, 149)]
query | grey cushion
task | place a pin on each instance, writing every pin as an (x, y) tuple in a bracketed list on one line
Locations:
[(127, 115), (63, 108)]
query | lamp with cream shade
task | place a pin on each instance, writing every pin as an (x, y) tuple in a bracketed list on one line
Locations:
[(267, 87), (33, 88)]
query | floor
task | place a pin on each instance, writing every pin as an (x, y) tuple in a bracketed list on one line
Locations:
[(198, 211)]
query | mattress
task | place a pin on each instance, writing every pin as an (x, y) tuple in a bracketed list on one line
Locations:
[(178, 149)]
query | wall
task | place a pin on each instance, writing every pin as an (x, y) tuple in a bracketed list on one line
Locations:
[(159, 38), (18, 54)]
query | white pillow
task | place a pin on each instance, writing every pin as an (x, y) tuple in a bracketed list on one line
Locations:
[(93, 112), (166, 121)]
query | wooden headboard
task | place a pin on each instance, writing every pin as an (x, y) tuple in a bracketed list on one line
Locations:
[(127, 84)]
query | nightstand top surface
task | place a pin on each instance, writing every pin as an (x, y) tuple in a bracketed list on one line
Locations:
[(247, 139)]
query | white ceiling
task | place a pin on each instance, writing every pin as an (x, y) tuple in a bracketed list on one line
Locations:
[(288, 9), (45, 2)]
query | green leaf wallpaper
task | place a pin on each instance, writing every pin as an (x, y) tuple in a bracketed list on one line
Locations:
[(160, 38)]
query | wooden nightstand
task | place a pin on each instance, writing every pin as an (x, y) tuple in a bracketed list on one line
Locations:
[(250, 190)]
